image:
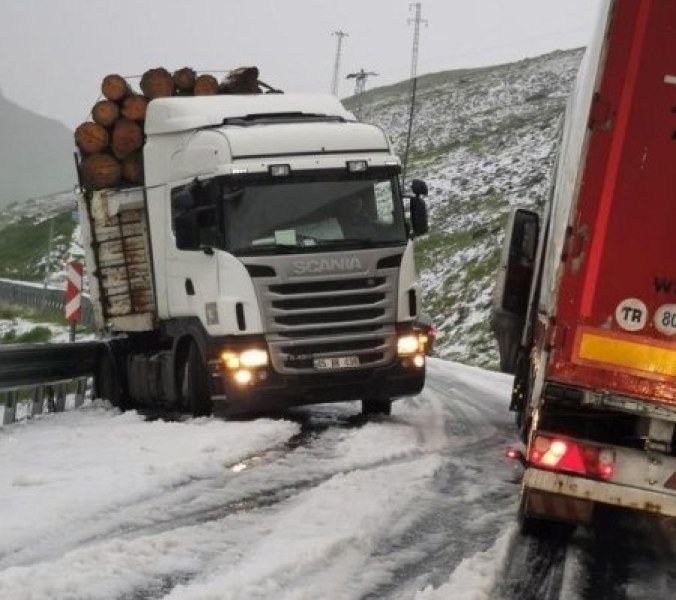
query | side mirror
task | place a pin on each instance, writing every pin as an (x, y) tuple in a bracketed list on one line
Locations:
[(419, 216), (419, 187)]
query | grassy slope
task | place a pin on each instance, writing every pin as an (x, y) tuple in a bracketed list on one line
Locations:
[(24, 244)]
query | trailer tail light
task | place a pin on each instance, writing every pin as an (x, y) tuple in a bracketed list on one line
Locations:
[(563, 454)]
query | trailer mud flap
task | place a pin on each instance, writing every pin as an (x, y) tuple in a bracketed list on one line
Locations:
[(555, 506)]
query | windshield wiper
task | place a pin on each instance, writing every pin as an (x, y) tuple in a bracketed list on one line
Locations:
[(269, 249), (360, 243)]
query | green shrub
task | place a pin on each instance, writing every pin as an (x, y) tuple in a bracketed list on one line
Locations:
[(35, 335)]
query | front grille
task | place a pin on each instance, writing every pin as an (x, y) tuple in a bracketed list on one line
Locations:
[(331, 318), (320, 317), (339, 285)]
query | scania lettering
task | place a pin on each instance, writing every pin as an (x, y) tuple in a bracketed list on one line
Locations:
[(327, 265)]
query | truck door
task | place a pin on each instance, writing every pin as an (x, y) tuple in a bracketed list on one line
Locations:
[(192, 267)]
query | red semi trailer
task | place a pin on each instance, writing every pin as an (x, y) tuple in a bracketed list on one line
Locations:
[(585, 303)]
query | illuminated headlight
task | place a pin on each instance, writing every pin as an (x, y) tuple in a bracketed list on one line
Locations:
[(243, 376), (240, 170), (253, 358), (279, 170), (248, 359), (407, 344), (357, 166)]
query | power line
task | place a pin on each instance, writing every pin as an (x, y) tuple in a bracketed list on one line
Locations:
[(336, 66)]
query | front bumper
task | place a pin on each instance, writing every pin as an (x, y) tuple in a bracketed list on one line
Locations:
[(274, 391)]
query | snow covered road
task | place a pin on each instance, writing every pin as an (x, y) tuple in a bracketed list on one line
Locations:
[(316, 504)]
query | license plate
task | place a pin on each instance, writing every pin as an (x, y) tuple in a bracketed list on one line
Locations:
[(339, 362)]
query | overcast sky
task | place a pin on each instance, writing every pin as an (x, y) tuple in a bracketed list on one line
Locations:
[(54, 53)]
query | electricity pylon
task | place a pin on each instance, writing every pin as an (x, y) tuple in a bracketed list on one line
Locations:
[(336, 66), (360, 78)]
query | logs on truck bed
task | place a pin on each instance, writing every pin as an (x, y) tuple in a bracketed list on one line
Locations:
[(100, 171), (132, 168), (126, 138), (105, 112), (114, 87), (205, 85), (111, 146), (91, 138), (241, 81), (157, 83), (134, 107), (184, 80)]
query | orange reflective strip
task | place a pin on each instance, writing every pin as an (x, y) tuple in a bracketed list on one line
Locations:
[(630, 355)]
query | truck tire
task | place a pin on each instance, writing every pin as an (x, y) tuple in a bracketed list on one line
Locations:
[(107, 381), (194, 389), (376, 406)]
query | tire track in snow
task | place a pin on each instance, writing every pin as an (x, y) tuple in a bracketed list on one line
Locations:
[(473, 499)]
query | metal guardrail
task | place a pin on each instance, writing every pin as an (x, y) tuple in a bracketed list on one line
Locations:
[(50, 298), (38, 376)]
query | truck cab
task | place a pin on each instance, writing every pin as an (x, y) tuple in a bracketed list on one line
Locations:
[(277, 260)]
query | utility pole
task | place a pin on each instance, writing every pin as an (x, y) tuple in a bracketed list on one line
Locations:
[(360, 78), (414, 82), (336, 67)]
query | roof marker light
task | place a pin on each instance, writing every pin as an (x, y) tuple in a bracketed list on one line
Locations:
[(279, 170), (357, 166)]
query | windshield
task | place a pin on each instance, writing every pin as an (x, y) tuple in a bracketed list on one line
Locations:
[(302, 216)]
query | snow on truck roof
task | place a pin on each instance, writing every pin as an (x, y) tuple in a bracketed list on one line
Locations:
[(174, 114)]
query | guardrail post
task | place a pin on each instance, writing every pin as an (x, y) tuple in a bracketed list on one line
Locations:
[(60, 397), (38, 401), (10, 407), (51, 404), (81, 391)]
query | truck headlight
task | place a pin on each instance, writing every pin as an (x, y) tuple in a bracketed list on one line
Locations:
[(255, 357), (407, 344), (247, 359)]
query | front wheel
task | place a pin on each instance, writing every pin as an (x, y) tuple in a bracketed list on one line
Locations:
[(194, 389), (376, 406)]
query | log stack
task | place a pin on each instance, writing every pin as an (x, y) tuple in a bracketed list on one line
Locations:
[(111, 144)]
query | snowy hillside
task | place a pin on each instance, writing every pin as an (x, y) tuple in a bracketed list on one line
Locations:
[(483, 139)]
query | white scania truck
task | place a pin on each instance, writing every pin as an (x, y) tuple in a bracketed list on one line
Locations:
[(267, 261)]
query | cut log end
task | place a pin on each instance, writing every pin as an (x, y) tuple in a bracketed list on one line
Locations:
[(184, 80), (157, 83), (114, 87), (134, 107), (91, 138), (132, 168), (127, 137), (100, 171), (105, 113), (205, 85)]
